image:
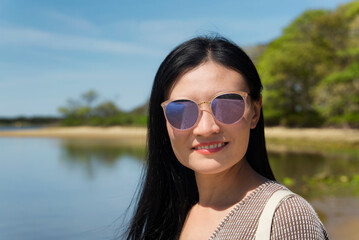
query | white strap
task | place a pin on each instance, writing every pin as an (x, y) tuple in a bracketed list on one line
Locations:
[(266, 218)]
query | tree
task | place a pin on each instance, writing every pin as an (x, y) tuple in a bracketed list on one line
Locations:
[(89, 97), (338, 97), (337, 94), (81, 112), (106, 109), (312, 47), (76, 109)]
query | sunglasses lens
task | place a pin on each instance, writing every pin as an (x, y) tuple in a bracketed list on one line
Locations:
[(228, 108), (182, 114)]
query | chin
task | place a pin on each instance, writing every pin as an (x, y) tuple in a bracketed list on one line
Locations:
[(208, 166)]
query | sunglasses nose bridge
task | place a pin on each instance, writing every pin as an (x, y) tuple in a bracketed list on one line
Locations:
[(201, 104), (205, 106)]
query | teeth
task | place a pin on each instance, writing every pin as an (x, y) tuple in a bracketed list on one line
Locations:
[(211, 146)]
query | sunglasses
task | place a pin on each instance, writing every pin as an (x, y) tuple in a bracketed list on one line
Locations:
[(226, 108)]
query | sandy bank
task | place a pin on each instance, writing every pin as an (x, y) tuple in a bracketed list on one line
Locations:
[(313, 134), (79, 132)]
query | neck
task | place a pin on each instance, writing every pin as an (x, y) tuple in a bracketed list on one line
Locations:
[(225, 189)]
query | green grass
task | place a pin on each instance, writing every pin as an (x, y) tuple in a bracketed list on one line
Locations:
[(350, 149)]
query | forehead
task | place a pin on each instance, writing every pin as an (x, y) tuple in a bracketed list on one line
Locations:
[(206, 80)]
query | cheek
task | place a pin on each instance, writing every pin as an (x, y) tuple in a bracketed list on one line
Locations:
[(246, 121), (178, 141), (169, 131), (240, 132), (173, 135)]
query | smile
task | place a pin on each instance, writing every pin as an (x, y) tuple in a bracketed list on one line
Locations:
[(212, 146), (209, 148)]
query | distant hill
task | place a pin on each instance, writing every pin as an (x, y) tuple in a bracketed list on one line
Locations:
[(141, 110)]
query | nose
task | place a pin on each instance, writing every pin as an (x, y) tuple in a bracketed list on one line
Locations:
[(206, 125)]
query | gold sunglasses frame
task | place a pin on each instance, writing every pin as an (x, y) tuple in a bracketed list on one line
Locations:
[(243, 94)]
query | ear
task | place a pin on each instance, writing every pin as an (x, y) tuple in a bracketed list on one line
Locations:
[(256, 108)]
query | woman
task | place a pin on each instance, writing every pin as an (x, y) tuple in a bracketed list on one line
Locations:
[(208, 175)]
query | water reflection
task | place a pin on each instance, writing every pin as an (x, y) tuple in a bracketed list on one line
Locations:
[(44, 196), (92, 154), (314, 174), (311, 175)]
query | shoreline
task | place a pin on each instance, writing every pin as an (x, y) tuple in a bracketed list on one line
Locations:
[(312, 134), (278, 139), (79, 132), (350, 136), (330, 141)]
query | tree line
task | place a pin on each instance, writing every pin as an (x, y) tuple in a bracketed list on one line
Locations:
[(310, 76), (83, 111)]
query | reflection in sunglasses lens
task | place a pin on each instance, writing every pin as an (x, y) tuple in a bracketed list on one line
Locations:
[(228, 108), (182, 114)]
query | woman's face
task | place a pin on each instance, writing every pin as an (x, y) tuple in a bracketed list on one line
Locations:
[(191, 146)]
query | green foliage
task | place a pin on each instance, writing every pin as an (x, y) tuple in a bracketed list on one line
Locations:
[(106, 109), (89, 97), (332, 185), (317, 56), (104, 114), (349, 10), (338, 96), (141, 110), (347, 75)]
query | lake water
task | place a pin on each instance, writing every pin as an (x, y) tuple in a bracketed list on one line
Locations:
[(80, 189)]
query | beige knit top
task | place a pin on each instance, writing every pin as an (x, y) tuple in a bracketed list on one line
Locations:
[(294, 218)]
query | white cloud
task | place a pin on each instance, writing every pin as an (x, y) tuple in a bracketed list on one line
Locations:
[(169, 32), (75, 22), (160, 32), (39, 38)]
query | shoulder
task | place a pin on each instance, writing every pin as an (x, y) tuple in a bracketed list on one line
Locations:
[(295, 218)]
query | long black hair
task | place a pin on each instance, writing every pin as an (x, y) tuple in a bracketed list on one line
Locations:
[(169, 189)]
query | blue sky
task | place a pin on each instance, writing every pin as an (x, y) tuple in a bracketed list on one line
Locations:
[(51, 51)]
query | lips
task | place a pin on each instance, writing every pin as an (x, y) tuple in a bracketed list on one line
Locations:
[(207, 148)]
